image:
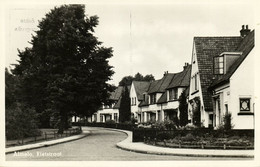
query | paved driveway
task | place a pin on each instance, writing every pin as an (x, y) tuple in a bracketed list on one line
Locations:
[(99, 145)]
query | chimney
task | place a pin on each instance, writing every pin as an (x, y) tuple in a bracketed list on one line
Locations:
[(244, 31), (165, 73), (185, 66)]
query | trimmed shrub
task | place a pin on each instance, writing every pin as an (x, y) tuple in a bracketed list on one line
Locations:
[(188, 137), (159, 125), (164, 136), (110, 122)]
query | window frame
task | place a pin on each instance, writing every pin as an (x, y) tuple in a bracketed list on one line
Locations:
[(240, 104), (196, 82), (216, 65), (153, 98), (173, 94), (115, 117)]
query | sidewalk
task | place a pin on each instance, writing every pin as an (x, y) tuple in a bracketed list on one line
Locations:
[(140, 147), (46, 143)]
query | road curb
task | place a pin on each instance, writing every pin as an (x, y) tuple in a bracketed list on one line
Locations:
[(128, 145), (46, 143)]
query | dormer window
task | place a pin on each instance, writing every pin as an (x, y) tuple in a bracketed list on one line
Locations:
[(219, 65), (173, 94), (152, 98)]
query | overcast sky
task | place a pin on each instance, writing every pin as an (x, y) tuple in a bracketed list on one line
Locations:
[(159, 39)]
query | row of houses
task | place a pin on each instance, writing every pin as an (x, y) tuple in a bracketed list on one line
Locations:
[(218, 80)]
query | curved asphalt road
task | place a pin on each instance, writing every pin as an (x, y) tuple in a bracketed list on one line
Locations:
[(99, 145)]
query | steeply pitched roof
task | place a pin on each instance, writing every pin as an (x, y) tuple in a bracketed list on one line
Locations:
[(206, 48), (140, 88), (143, 103), (117, 105), (163, 98), (159, 86), (181, 79), (245, 47), (117, 93)]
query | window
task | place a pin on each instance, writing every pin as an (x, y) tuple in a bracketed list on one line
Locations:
[(153, 98), (219, 65), (196, 81), (226, 108), (115, 117), (95, 118), (195, 85), (244, 104), (101, 118), (135, 101), (173, 94)]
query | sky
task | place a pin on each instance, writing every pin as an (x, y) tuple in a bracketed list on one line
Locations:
[(146, 38)]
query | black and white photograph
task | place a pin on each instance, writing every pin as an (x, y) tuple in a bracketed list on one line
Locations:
[(143, 83)]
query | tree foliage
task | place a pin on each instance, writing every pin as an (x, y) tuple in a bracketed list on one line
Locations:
[(183, 107), (196, 112), (66, 70), (21, 121), (125, 108), (127, 80)]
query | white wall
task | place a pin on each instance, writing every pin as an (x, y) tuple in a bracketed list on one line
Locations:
[(170, 105), (134, 108), (224, 96), (110, 111), (242, 85), (195, 70)]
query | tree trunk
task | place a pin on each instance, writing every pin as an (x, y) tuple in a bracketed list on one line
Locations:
[(63, 122)]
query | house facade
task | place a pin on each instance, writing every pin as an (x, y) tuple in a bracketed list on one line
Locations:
[(136, 97), (109, 112), (218, 65), (149, 108), (233, 92), (161, 101)]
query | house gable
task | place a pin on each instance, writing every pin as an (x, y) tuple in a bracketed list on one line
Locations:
[(206, 49), (245, 48)]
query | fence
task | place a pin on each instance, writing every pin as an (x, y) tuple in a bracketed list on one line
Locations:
[(197, 138), (123, 126), (140, 133), (44, 136)]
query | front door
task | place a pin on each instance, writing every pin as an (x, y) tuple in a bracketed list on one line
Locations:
[(217, 115)]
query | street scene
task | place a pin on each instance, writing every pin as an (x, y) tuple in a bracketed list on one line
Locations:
[(100, 145), (128, 81)]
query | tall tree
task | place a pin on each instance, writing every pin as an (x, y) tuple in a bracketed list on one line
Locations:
[(149, 77), (127, 80), (66, 70), (125, 108), (138, 77), (10, 88), (20, 120), (183, 107)]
